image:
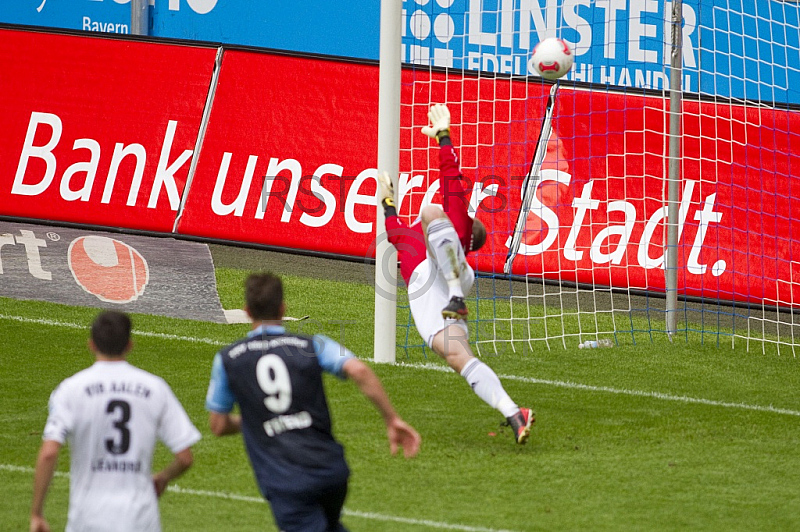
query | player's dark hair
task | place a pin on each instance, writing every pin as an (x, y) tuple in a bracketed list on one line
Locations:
[(263, 294), (478, 235), (111, 332)]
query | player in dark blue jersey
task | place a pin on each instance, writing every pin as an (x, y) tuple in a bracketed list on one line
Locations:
[(276, 379)]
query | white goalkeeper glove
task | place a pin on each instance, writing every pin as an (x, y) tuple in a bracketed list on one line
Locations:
[(386, 189), (439, 118)]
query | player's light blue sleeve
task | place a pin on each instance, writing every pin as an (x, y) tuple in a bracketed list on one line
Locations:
[(331, 355), (219, 397)]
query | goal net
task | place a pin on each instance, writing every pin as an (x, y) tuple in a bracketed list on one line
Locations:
[(571, 178)]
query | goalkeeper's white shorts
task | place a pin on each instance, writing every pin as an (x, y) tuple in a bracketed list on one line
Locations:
[(428, 295)]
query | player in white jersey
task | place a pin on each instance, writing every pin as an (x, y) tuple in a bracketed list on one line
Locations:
[(111, 414)]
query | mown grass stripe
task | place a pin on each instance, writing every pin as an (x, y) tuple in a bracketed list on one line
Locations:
[(246, 498), (438, 367)]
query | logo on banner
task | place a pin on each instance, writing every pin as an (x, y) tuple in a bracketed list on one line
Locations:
[(422, 24), (201, 7), (108, 269), (618, 43)]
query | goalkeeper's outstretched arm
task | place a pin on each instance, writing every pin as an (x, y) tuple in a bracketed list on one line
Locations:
[(393, 223), (439, 127), (387, 194), (455, 198)]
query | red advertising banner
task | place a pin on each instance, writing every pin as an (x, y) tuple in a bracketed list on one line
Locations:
[(742, 240), (599, 216), (98, 131), (308, 124), (310, 127), (602, 179), (496, 127), (599, 212)]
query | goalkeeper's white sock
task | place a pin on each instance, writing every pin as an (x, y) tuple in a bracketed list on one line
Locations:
[(443, 243), (486, 385)]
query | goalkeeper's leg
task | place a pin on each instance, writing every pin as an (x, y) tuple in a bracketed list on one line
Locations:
[(449, 338), (447, 254), (452, 344)]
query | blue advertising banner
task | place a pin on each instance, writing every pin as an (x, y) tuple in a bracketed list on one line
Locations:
[(340, 28), (731, 48), (90, 15), (619, 42), (750, 49)]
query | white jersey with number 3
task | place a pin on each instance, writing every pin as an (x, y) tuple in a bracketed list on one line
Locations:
[(111, 414)]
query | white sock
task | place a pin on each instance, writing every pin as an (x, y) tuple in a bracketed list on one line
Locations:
[(486, 385), (443, 243)]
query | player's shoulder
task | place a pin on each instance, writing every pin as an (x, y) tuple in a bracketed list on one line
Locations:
[(331, 355), (145, 375), (79, 379), (74, 382)]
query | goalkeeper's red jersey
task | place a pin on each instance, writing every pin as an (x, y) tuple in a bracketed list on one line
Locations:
[(410, 240)]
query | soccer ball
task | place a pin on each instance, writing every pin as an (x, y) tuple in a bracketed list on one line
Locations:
[(552, 58)]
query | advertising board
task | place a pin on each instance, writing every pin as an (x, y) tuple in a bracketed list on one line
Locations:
[(98, 131)]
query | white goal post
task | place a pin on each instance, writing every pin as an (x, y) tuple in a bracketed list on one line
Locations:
[(388, 160)]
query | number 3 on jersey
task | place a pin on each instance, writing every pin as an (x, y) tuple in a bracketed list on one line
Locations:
[(123, 410), (273, 377)]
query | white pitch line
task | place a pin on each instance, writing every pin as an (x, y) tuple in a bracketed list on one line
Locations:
[(21, 469), (438, 367), (41, 321), (258, 500), (654, 395), (420, 522), (621, 391)]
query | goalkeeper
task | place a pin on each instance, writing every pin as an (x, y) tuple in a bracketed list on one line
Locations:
[(432, 254)]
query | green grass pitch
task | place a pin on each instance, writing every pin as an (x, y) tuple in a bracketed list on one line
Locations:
[(653, 436)]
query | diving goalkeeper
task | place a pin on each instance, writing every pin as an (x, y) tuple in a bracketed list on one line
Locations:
[(432, 254)]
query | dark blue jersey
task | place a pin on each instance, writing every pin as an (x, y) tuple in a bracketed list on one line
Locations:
[(276, 379)]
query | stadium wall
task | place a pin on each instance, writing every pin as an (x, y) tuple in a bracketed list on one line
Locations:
[(105, 131)]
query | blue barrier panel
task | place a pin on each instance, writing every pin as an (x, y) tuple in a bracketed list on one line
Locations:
[(315, 26), (89, 15), (732, 48)]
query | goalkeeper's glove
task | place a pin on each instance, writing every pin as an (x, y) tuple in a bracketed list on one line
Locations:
[(439, 118), (386, 190)]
